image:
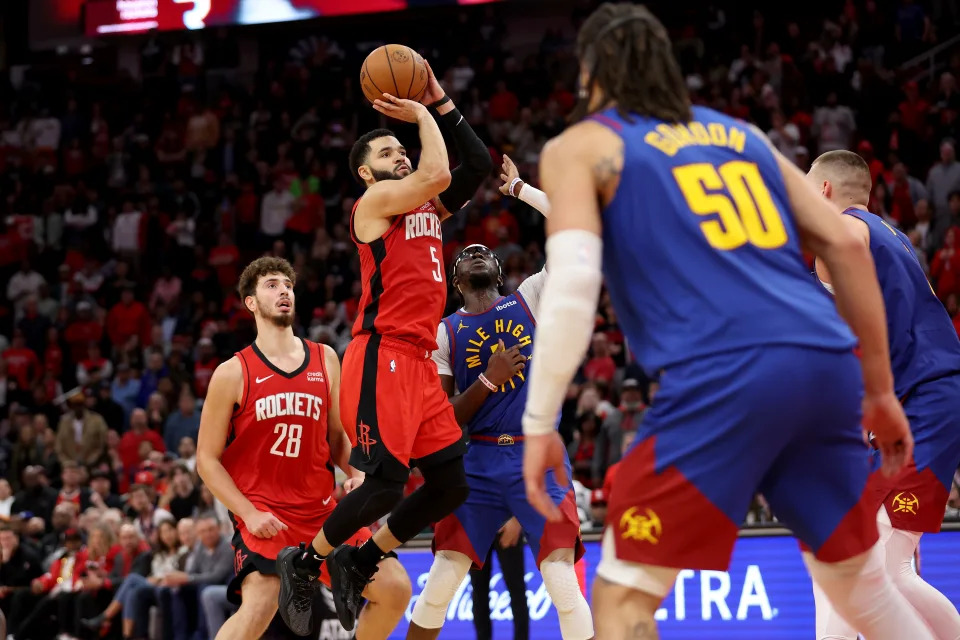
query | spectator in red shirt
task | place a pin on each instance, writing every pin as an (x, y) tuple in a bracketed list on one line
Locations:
[(494, 222), (53, 354), (601, 366), (22, 363), (503, 103), (128, 318), (129, 448), (865, 149), (914, 109), (945, 268), (204, 366), (224, 258), (95, 368), (82, 331), (953, 308)]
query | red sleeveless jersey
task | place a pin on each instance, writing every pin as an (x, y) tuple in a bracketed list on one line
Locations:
[(404, 284), (277, 451)]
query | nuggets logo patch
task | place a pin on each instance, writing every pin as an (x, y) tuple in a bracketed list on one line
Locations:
[(905, 502), (637, 526)]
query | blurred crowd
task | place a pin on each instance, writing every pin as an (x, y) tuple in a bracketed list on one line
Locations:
[(130, 202)]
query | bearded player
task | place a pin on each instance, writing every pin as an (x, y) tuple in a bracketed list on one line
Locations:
[(925, 354), (482, 350), (392, 402), (696, 222), (270, 434)]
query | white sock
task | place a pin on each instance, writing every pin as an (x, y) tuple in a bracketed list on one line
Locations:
[(935, 609), (863, 594)]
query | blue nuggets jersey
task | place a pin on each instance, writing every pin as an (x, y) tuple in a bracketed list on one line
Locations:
[(473, 339), (923, 343), (701, 252)]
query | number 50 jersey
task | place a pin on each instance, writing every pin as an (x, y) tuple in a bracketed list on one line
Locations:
[(701, 253)]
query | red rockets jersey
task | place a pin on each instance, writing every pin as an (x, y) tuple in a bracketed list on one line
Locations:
[(404, 284), (277, 451)]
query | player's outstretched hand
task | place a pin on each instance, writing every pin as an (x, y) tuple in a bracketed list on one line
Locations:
[(540, 454), (434, 92), (504, 364), (264, 524), (400, 109), (883, 416), (508, 171)]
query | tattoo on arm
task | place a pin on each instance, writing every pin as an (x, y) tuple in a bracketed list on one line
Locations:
[(607, 170)]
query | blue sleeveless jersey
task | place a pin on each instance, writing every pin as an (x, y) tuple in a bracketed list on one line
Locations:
[(473, 339), (701, 251), (923, 343)]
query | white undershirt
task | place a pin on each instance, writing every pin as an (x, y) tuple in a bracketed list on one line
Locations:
[(530, 289)]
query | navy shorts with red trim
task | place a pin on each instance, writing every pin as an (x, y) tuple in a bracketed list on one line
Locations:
[(916, 498), (781, 420), (394, 408)]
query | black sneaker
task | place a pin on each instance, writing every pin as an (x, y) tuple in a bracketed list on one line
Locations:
[(347, 582), (297, 589), (94, 623)]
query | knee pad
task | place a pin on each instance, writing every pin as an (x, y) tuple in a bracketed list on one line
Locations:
[(560, 579), (447, 573), (366, 504)]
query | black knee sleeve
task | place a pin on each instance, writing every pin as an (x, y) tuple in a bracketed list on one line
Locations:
[(444, 489), (362, 507)]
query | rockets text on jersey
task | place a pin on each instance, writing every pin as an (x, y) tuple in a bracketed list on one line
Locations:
[(277, 451), (404, 288)]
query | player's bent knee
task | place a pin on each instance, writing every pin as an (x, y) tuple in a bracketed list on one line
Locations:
[(649, 579), (448, 571), (447, 482), (260, 593), (560, 579), (391, 586)]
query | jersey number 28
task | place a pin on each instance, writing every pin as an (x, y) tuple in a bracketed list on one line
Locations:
[(738, 202), (289, 433)]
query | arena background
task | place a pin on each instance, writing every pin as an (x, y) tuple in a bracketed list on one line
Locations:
[(94, 112)]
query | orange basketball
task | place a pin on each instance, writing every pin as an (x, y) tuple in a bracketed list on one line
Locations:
[(395, 69)]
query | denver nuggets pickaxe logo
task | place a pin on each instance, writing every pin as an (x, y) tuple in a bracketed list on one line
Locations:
[(637, 526)]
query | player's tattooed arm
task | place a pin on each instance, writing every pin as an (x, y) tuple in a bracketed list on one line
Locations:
[(607, 169)]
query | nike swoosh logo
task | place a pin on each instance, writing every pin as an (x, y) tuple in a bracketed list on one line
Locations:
[(459, 121), (327, 500), (259, 380)]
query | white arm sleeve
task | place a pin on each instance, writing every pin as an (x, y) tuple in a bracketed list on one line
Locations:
[(567, 313), (532, 289), (535, 198), (442, 355)]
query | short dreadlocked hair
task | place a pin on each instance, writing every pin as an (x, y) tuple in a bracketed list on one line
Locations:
[(628, 54)]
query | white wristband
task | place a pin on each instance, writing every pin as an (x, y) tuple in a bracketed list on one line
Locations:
[(513, 183), (489, 385)]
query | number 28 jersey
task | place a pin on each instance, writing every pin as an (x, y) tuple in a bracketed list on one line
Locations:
[(701, 253), (277, 451), (404, 288)]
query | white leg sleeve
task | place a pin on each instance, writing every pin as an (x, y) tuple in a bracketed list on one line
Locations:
[(830, 625), (934, 608), (863, 594), (446, 574), (560, 578)]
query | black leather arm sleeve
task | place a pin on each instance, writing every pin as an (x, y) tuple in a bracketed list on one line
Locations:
[(475, 163)]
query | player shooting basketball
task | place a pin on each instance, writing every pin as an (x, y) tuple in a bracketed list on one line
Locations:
[(276, 401), (481, 352), (392, 401)]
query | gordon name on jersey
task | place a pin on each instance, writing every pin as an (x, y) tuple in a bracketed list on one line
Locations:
[(290, 403), (423, 221)]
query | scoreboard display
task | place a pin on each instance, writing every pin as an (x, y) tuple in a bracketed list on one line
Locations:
[(103, 17)]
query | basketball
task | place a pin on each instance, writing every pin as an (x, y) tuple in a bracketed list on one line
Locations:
[(395, 69)]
